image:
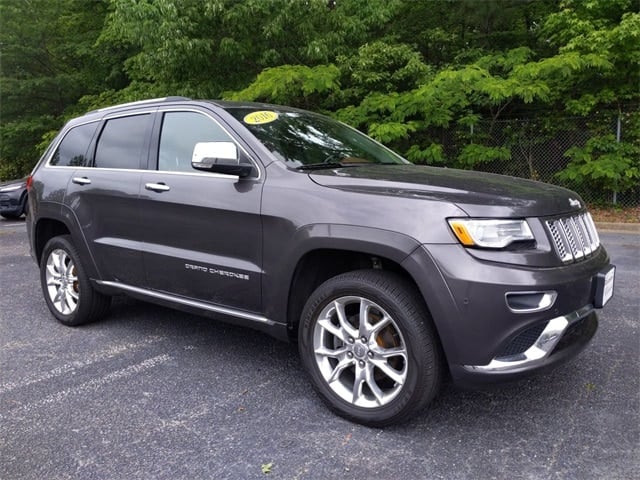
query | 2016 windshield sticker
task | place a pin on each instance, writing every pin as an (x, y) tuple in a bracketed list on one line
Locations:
[(260, 117), (216, 271)]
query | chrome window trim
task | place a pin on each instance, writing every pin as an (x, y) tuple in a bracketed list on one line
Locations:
[(198, 174), (129, 113), (137, 170), (149, 111), (97, 120), (93, 169), (47, 163), (170, 109)]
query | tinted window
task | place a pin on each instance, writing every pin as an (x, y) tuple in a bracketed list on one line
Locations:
[(180, 133), (72, 151), (304, 138), (121, 142)]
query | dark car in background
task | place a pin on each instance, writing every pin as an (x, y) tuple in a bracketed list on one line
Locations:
[(13, 198), (390, 276)]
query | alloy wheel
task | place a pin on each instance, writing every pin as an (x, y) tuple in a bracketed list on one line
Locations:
[(62, 282), (360, 351)]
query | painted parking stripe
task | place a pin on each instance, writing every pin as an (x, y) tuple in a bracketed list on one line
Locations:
[(72, 367), (92, 385)]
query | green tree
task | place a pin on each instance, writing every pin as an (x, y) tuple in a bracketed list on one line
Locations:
[(203, 48), (456, 32), (49, 61), (611, 29), (603, 165), (404, 71)]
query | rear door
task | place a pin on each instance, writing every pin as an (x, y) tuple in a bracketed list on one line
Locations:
[(202, 231), (104, 197)]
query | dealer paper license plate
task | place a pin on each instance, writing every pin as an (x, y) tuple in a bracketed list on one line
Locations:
[(604, 287)]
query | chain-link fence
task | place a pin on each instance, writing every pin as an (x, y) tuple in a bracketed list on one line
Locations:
[(541, 149)]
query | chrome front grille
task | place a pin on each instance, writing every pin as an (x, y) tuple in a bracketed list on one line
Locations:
[(574, 237)]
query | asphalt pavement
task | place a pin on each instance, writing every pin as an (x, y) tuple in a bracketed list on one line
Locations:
[(151, 393)]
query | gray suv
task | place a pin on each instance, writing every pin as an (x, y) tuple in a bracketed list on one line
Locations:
[(390, 276)]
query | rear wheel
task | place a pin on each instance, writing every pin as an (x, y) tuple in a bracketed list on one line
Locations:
[(66, 286), (367, 342)]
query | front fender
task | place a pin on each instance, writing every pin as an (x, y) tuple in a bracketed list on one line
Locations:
[(280, 266)]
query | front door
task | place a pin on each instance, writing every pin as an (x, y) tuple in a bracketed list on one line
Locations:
[(203, 234)]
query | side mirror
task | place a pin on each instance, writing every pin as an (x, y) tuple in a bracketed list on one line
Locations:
[(219, 157)]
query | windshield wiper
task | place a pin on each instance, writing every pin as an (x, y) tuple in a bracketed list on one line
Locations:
[(322, 165)]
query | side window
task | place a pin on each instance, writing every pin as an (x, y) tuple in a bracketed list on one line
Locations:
[(72, 151), (180, 133), (121, 142)]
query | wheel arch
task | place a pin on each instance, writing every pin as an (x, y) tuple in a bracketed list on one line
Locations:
[(319, 265), (59, 220), (324, 251), (45, 229)]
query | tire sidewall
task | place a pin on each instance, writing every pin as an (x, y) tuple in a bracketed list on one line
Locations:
[(401, 406), (25, 205), (79, 315)]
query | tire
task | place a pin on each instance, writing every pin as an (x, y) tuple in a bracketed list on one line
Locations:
[(379, 374), (11, 216), (66, 286), (25, 205)]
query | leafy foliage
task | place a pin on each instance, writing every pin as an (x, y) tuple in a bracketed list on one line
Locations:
[(604, 164), (473, 154), (292, 84), (48, 63), (402, 71)]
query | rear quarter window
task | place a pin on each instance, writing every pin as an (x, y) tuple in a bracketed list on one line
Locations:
[(72, 150)]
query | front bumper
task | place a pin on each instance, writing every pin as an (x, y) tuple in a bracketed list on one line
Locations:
[(560, 339), (11, 203), (488, 332)]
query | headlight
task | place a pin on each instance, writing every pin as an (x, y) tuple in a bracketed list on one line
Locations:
[(490, 233), (11, 188)]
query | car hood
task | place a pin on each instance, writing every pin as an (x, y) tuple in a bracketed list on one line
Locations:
[(478, 194)]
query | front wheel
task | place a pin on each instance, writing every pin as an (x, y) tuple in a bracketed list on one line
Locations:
[(368, 344), (66, 286)]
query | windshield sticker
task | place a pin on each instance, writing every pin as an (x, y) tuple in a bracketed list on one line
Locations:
[(260, 117)]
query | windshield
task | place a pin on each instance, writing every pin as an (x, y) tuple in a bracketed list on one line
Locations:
[(307, 140)]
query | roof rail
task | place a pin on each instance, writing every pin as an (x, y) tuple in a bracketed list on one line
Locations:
[(140, 102)]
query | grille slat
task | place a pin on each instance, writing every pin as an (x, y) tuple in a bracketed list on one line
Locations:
[(584, 234), (592, 230), (574, 237)]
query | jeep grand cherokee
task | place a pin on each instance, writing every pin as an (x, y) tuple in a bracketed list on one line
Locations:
[(389, 275)]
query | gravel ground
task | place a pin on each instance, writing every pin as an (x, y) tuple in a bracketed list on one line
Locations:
[(153, 393)]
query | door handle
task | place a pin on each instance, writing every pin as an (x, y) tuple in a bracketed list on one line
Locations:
[(157, 187), (81, 180)]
